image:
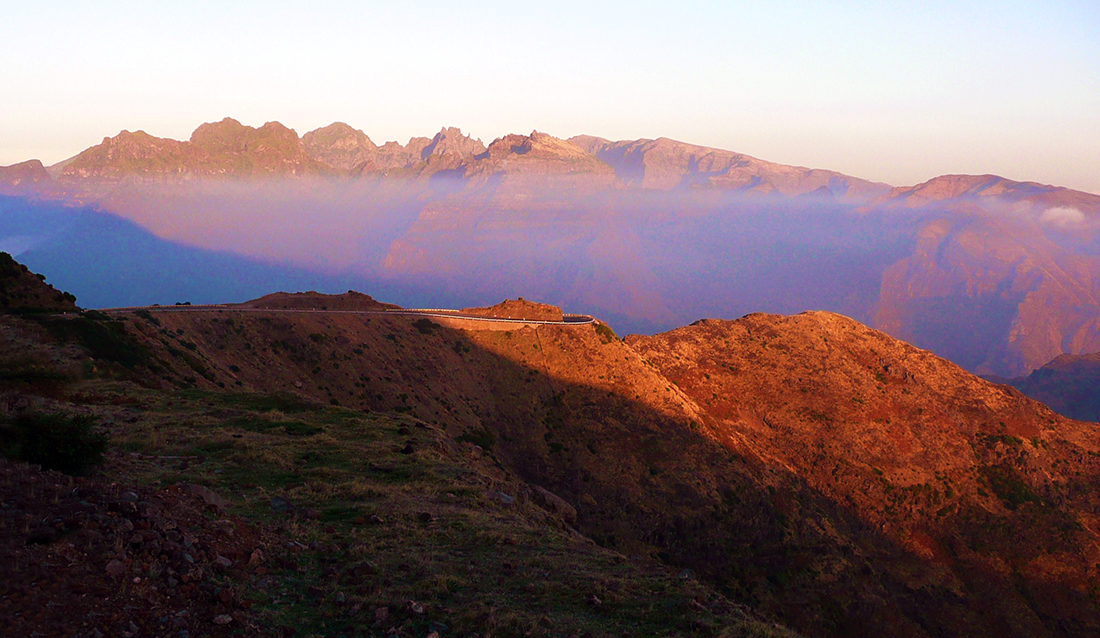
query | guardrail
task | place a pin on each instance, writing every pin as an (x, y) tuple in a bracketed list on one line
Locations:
[(442, 313)]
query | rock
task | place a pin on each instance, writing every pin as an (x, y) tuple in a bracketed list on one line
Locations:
[(256, 557), (222, 527), (502, 497), (116, 567), (281, 504), (209, 496), (223, 562), (223, 619), (554, 504), (362, 569)]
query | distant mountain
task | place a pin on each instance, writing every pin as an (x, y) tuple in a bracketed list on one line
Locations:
[(975, 188), (665, 164), (221, 149), (1070, 384), (997, 275), (107, 261), (25, 178)]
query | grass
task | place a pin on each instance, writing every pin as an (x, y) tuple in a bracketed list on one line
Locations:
[(426, 522)]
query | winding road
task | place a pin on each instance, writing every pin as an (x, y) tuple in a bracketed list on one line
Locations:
[(431, 313)]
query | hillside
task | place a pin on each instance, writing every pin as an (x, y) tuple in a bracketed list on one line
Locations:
[(807, 468), (249, 509), (24, 291), (990, 487), (777, 479)]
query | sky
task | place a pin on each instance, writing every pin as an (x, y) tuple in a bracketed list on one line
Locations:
[(892, 91)]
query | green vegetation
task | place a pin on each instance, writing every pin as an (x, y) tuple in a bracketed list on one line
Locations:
[(1009, 486), (425, 326), (67, 443), (481, 438), (378, 510), (607, 335), (104, 338)]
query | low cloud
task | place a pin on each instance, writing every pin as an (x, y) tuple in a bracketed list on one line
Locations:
[(1062, 217)]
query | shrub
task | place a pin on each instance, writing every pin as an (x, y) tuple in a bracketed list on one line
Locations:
[(67, 443), (481, 438), (606, 333), (425, 326)]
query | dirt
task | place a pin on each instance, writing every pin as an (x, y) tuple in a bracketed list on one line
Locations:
[(350, 300), (83, 557), (518, 309)]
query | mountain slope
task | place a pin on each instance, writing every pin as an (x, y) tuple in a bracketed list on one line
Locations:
[(666, 164), (986, 485), (844, 481)]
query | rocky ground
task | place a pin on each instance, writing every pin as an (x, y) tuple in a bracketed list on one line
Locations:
[(89, 558)]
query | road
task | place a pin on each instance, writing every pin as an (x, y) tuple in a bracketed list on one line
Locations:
[(438, 313)]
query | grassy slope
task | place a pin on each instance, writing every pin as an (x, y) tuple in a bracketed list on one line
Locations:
[(370, 511)]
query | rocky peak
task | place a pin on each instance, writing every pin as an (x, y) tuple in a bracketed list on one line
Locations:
[(340, 146), (230, 136), (451, 140), (23, 174)]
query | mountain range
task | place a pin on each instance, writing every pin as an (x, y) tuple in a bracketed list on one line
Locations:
[(997, 275)]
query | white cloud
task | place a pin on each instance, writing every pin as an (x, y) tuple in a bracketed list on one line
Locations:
[(1062, 216)]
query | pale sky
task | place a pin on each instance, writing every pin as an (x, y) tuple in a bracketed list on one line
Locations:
[(893, 91)]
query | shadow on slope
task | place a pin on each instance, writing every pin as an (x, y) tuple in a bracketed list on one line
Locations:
[(581, 414)]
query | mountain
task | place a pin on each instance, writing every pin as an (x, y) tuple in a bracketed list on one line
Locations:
[(666, 164), (24, 178), (341, 147), (82, 247), (350, 151), (843, 481), (1070, 384), (996, 275), (230, 510), (806, 467), (991, 187), (225, 149), (988, 486)]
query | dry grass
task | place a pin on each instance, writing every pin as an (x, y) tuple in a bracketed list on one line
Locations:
[(424, 511)]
